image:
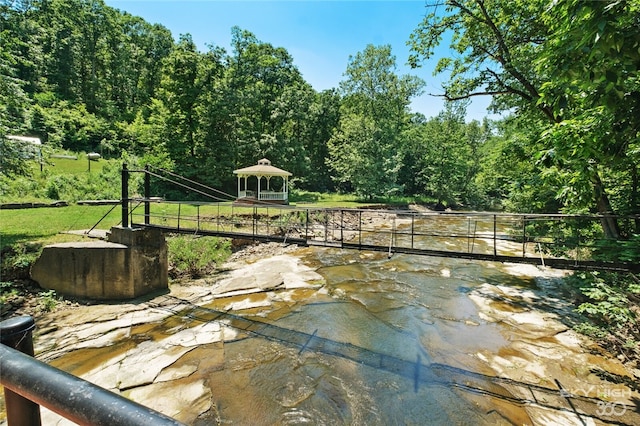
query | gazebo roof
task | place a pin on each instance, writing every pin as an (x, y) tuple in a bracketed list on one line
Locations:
[(263, 168)]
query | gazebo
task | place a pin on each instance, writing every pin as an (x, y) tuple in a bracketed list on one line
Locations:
[(263, 169)]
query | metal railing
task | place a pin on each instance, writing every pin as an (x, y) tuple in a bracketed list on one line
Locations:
[(264, 195), (554, 240), (29, 383)]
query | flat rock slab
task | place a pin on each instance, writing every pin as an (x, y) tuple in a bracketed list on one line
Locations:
[(178, 399), (278, 272), (544, 349)]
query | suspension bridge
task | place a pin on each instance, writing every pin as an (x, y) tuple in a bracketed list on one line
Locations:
[(548, 240)]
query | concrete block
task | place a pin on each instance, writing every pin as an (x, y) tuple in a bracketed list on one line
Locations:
[(106, 270)]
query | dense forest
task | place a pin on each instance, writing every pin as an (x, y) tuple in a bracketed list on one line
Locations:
[(83, 76)]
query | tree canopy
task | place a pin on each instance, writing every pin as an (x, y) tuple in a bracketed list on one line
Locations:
[(569, 68), (365, 149)]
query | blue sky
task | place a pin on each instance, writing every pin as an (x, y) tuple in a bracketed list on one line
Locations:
[(319, 35)]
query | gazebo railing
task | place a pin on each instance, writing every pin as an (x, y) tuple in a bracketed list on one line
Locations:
[(264, 195), (270, 196)]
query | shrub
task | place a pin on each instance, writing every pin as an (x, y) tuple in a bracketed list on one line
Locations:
[(48, 300), (196, 256), (7, 291), (610, 304), (17, 260), (625, 250), (607, 301)]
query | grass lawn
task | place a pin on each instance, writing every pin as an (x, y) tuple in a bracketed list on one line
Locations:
[(47, 224), (69, 166), (62, 179)]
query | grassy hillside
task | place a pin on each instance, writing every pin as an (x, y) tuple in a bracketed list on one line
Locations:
[(64, 179)]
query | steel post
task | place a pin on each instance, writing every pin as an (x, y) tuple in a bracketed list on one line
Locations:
[(255, 223), (16, 333), (306, 226), (495, 248), (147, 194), (360, 228), (524, 236), (413, 219), (125, 196)]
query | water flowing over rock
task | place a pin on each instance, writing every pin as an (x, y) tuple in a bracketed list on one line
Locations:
[(327, 336)]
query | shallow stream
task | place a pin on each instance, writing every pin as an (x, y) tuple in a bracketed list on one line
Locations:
[(376, 340), (381, 336)]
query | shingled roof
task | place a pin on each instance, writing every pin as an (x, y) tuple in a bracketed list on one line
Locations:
[(263, 168)]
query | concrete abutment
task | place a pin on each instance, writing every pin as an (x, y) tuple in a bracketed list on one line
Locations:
[(132, 263)]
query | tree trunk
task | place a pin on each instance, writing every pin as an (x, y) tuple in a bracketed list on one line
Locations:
[(609, 223), (635, 199)]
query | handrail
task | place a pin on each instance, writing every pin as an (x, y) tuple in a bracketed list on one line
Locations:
[(72, 397)]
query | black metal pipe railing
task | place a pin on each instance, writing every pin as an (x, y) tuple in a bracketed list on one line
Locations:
[(71, 397)]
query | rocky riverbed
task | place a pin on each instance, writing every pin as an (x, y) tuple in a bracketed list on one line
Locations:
[(556, 375), (545, 352)]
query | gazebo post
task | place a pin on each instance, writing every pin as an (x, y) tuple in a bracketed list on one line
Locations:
[(259, 182), (266, 170)]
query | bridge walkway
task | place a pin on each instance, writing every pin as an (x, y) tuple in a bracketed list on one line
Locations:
[(544, 240)]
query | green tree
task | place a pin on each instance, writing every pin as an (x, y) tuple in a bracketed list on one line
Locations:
[(78, 56), (15, 33), (262, 81), (289, 116), (134, 64), (181, 90), (498, 42), (13, 157), (592, 60), (493, 46), (322, 118), (214, 150), (440, 156), (507, 176), (365, 151)]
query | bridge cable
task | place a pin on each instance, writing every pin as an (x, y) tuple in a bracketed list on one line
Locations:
[(186, 186), (102, 218), (193, 182), (189, 187), (266, 203)]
